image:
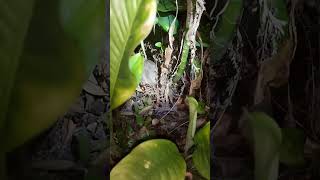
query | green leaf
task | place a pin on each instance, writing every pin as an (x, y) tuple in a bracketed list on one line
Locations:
[(130, 22), (83, 21), (183, 62), (127, 85), (52, 66), (201, 109), (170, 5), (203, 44), (13, 27), (267, 141), (201, 154), (139, 120), (153, 159), (281, 13), (292, 148), (14, 18), (166, 21), (226, 28), (193, 106), (158, 45)]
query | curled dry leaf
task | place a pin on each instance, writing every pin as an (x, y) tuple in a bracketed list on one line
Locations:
[(274, 72)]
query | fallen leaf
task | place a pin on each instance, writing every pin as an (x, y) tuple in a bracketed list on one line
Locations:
[(69, 129), (92, 87), (274, 72)]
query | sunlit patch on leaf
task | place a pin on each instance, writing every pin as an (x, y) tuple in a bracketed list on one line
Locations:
[(157, 159), (130, 22)]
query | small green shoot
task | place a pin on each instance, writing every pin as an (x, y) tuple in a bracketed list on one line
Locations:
[(193, 105)]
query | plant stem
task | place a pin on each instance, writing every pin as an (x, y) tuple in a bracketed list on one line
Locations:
[(193, 104), (183, 62)]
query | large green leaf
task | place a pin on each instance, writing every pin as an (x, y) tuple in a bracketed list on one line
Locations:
[(267, 141), (281, 11), (226, 29), (130, 22), (170, 5), (201, 154), (166, 21), (152, 160), (13, 27), (14, 21), (52, 63), (85, 22), (124, 88)]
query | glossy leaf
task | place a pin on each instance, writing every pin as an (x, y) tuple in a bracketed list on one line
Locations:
[(281, 11), (130, 22), (153, 159), (281, 14), (193, 106), (170, 5), (83, 21), (52, 67), (158, 45), (292, 148), (201, 154), (126, 86), (267, 141), (226, 28), (166, 21)]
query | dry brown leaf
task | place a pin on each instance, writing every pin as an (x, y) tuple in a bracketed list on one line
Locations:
[(167, 56), (274, 72), (69, 129), (195, 84), (92, 87)]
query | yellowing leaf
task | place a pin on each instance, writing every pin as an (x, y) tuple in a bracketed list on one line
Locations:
[(130, 22), (154, 159)]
